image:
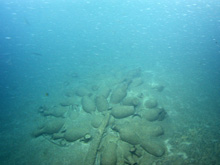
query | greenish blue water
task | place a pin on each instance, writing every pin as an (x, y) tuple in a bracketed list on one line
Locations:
[(46, 45)]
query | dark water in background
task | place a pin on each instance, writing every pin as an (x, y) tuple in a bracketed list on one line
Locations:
[(43, 44)]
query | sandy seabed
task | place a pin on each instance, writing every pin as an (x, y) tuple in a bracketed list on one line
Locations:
[(154, 119)]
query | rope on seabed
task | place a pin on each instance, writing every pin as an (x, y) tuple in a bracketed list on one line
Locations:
[(94, 146)]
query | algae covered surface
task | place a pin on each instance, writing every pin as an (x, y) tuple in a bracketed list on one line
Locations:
[(109, 82)]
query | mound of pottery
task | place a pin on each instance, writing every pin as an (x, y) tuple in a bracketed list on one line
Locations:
[(56, 111), (134, 128), (143, 134), (74, 131), (50, 127)]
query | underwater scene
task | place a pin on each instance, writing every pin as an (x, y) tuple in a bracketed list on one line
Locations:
[(109, 82)]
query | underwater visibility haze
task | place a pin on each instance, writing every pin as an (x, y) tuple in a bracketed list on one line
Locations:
[(109, 82)]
